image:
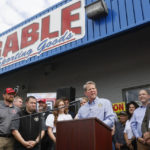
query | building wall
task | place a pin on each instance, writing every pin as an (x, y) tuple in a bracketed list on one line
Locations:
[(113, 64), (122, 16)]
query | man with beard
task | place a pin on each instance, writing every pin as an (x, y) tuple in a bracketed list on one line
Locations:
[(7, 112), (28, 127), (42, 107)]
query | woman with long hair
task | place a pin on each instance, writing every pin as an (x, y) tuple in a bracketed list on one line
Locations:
[(59, 114), (128, 134)]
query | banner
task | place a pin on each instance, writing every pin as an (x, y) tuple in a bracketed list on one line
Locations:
[(50, 98), (118, 107), (58, 27)]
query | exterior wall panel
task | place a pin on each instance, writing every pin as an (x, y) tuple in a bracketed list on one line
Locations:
[(123, 15), (113, 65)]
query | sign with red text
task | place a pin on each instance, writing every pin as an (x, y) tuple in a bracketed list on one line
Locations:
[(118, 107), (53, 29)]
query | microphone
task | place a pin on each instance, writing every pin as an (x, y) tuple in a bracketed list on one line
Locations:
[(70, 104), (55, 109), (76, 101)]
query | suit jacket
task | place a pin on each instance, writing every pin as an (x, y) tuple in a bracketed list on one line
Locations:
[(146, 120)]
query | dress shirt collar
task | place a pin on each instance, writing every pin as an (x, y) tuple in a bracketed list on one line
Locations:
[(142, 106), (93, 102)]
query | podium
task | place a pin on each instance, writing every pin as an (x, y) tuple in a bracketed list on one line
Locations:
[(83, 134)]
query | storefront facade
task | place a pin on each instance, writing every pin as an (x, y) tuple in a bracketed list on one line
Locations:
[(43, 53)]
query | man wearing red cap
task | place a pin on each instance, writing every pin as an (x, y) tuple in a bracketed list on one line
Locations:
[(42, 105), (46, 141), (7, 112)]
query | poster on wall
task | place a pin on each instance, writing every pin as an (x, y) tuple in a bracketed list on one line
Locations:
[(118, 107), (50, 98)]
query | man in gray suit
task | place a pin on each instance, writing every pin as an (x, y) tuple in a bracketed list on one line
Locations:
[(146, 127)]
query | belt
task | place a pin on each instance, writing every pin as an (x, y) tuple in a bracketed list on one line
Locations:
[(5, 135)]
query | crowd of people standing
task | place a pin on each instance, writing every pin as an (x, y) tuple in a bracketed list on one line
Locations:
[(132, 132), (25, 128)]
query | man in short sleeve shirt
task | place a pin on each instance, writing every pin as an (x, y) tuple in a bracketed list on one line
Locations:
[(28, 127), (7, 112)]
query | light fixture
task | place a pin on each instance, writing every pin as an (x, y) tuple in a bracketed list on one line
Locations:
[(96, 9)]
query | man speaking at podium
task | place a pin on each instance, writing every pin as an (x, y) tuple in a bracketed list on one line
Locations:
[(96, 107)]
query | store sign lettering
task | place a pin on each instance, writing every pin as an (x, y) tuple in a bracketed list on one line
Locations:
[(59, 27)]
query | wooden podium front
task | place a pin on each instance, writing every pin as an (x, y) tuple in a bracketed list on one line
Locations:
[(83, 134)]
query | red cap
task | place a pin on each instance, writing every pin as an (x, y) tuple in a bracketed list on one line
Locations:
[(42, 100), (10, 90)]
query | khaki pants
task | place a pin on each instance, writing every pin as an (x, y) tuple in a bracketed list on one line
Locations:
[(141, 146), (6, 143)]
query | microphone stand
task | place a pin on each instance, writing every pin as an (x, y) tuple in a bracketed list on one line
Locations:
[(55, 109), (41, 117)]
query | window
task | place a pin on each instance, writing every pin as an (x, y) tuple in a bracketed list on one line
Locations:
[(131, 94)]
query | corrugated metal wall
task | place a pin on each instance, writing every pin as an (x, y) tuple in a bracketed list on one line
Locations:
[(123, 15)]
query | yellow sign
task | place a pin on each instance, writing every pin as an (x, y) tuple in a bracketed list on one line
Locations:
[(118, 107)]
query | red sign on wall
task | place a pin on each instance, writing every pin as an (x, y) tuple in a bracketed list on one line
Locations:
[(118, 107), (56, 28)]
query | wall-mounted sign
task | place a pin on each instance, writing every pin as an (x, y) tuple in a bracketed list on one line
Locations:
[(56, 28), (118, 107), (50, 98)]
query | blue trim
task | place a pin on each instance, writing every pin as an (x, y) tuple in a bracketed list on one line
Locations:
[(123, 15)]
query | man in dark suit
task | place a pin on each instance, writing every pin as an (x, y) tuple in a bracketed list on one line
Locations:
[(146, 127)]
